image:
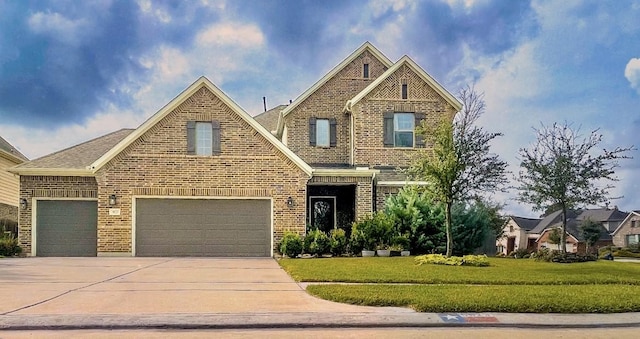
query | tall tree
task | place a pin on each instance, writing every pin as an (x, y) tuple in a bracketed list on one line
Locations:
[(459, 165), (562, 168)]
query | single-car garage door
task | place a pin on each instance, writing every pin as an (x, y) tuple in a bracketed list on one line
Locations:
[(198, 227), (66, 228)]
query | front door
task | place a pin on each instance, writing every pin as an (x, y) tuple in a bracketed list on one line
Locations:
[(323, 213)]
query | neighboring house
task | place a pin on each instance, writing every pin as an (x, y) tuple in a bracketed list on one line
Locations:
[(628, 232), (202, 177), (533, 234), (9, 183), (516, 234)]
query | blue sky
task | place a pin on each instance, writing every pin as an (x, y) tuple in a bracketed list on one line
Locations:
[(74, 70)]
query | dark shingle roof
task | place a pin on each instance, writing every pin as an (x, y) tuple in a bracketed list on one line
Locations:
[(7, 147), (269, 119), (603, 214), (526, 224), (79, 156), (573, 228)]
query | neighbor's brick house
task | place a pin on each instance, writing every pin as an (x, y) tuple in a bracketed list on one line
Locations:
[(202, 177), (628, 231)]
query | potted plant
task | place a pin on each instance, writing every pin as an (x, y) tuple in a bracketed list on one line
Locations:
[(382, 250), (400, 244)]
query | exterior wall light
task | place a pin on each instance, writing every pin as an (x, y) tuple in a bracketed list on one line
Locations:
[(290, 201), (23, 203), (112, 199)]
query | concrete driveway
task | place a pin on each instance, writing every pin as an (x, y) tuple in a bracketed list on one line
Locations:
[(68, 286)]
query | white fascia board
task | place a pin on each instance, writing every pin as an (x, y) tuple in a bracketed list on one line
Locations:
[(11, 157), (340, 172), (402, 183), (63, 172)]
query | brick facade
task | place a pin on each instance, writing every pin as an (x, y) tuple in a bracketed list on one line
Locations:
[(328, 102), (50, 187), (157, 164), (368, 117), (620, 235)]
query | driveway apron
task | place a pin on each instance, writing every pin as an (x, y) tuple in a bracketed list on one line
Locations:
[(59, 286)]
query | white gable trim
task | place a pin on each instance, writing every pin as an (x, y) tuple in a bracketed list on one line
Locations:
[(367, 46), (405, 60), (173, 104), (629, 216)]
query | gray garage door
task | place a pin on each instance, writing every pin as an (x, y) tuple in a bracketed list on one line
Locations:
[(66, 228), (217, 228)]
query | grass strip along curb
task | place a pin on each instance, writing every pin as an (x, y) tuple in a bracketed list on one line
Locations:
[(495, 298), (500, 272)]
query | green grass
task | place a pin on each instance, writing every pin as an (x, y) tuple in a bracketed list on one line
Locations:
[(501, 298), (501, 272)]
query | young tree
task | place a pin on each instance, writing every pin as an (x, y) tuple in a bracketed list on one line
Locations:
[(459, 165), (561, 169), (591, 232)]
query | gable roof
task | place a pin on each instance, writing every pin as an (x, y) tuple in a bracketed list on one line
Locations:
[(73, 160), (526, 224), (573, 229), (405, 60), (603, 214), (629, 216), (367, 46), (269, 119), (188, 92), (11, 152)]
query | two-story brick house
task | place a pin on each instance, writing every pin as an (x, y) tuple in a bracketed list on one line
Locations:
[(202, 177)]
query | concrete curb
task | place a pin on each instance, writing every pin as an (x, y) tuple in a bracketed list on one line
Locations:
[(310, 320)]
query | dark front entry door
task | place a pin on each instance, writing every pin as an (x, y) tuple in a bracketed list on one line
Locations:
[(323, 213)]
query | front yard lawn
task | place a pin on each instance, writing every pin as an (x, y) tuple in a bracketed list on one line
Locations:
[(501, 272), (508, 285)]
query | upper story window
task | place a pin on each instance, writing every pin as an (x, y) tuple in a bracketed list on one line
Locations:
[(322, 132), (365, 71), (203, 137), (399, 129), (403, 126), (634, 223)]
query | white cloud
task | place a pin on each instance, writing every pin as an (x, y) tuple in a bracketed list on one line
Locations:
[(632, 73), (61, 28), (239, 35)]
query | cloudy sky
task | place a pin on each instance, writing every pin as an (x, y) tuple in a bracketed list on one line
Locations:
[(74, 70)]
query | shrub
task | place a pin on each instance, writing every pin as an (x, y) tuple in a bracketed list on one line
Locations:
[(291, 245), (548, 255), (401, 242), (520, 253), (9, 246), (631, 251), (439, 259), (316, 242), (338, 242), (415, 214), (371, 232)]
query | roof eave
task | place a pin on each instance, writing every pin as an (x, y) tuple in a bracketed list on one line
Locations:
[(62, 172), (12, 157)]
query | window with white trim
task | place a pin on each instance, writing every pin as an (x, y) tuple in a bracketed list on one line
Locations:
[(633, 239), (403, 126), (204, 137)]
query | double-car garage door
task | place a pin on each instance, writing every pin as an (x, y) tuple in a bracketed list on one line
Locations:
[(197, 227), (163, 227)]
